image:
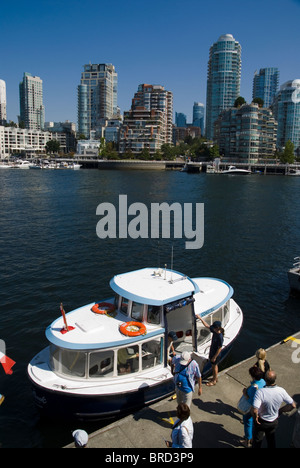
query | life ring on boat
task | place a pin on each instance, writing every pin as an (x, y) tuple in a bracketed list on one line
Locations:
[(103, 307), (133, 329)]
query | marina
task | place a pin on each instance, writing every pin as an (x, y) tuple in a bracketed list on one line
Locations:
[(51, 255)]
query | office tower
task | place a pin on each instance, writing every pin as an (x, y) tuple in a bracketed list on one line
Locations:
[(97, 97), (198, 116), (223, 79), (247, 133), (286, 109), (265, 85), (148, 124), (2, 101), (32, 111), (180, 119)]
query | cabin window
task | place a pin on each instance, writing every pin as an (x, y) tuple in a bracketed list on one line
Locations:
[(153, 314), (226, 312), (101, 364), (128, 360), (124, 305), (68, 362), (137, 311), (152, 353), (217, 316)]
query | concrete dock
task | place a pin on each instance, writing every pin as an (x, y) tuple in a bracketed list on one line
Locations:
[(217, 422)]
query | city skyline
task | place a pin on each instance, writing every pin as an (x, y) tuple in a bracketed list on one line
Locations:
[(166, 44)]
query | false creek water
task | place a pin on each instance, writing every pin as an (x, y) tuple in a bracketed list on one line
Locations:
[(50, 253)]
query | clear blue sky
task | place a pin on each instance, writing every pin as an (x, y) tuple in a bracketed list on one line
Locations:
[(162, 42)]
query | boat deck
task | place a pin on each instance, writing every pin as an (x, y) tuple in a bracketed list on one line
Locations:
[(217, 423)]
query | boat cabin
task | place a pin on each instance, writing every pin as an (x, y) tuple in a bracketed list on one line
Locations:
[(153, 303)]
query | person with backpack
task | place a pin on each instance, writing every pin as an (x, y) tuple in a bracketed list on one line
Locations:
[(186, 373)]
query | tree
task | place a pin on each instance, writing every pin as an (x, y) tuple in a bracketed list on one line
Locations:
[(239, 101), (288, 156), (258, 101), (52, 146)]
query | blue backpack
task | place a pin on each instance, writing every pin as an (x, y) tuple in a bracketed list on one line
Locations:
[(182, 380)]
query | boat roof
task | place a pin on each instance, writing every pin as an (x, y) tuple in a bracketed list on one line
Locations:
[(153, 286)]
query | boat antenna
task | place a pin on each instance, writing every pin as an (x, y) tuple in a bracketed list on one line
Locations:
[(172, 263)]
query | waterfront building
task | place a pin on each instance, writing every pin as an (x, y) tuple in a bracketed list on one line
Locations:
[(148, 124), (265, 85), (97, 97), (15, 140), (2, 102), (32, 111), (64, 133), (198, 116), (223, 79), (286, 109), (246, 133)]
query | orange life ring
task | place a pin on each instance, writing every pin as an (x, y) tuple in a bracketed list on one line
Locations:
[(133, 329), (103, 308)]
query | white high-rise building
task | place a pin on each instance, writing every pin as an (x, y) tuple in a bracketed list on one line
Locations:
[(32, 111), (2, 100)]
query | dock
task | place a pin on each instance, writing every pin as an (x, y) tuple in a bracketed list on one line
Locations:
[(217, 422)]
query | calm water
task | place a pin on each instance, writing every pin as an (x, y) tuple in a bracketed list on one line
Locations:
[(50, 253)]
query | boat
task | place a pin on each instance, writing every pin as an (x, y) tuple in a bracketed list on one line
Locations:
[(235, 170), (294, 275), (4, 165), (294, 172), (110, 358), (20, 164)]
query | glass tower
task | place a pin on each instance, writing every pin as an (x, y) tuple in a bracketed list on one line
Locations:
[(265, 85), (97, 97), (198, 116), (223, 79), (32, 111), (2, 101), (286, 109)]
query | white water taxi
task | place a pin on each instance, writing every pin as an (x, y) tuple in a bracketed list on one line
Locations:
[(109, 358)]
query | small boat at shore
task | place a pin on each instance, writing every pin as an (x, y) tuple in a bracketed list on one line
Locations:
[(235, 170), (294, 275), (294, 172), (110, 358)]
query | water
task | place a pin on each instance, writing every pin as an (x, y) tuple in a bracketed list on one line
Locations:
[(50, 253)]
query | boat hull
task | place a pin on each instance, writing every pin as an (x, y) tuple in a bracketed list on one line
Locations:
[(56, 404), (294, 280)]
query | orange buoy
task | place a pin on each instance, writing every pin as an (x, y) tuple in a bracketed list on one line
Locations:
[(133, 329), (103, 308)]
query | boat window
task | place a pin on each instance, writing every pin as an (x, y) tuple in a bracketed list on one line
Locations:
[(226, 312), (101, 364), (124, 305), (117, 301), (137, 311), (68, 362), (152, 353), (153, 314), (217, 315), (128, 360), (203, 333)]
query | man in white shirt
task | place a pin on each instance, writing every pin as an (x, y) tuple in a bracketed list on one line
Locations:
[(266, 410)]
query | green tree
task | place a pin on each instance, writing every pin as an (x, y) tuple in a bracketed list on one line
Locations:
[(258, 101), (239, 101), (52, 146), (288, 156)]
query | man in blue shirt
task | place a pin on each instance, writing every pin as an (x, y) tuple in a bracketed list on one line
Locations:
[(186, 373)]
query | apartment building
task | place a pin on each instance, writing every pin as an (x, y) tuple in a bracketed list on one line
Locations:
[(148, 124), (32, 111), (246, 133)]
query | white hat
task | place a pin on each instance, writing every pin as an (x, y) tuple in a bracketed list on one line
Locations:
[(185, 357), (80, 437)]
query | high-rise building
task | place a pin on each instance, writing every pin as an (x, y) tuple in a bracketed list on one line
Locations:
[(246, 133), (148, 124), (32, 111), (265, 85), (223, 79), (198, 116), (180, 119), (2, 101), (286, 109), (97, 97)]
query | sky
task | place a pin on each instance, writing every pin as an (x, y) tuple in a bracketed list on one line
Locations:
[(164, 42)]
